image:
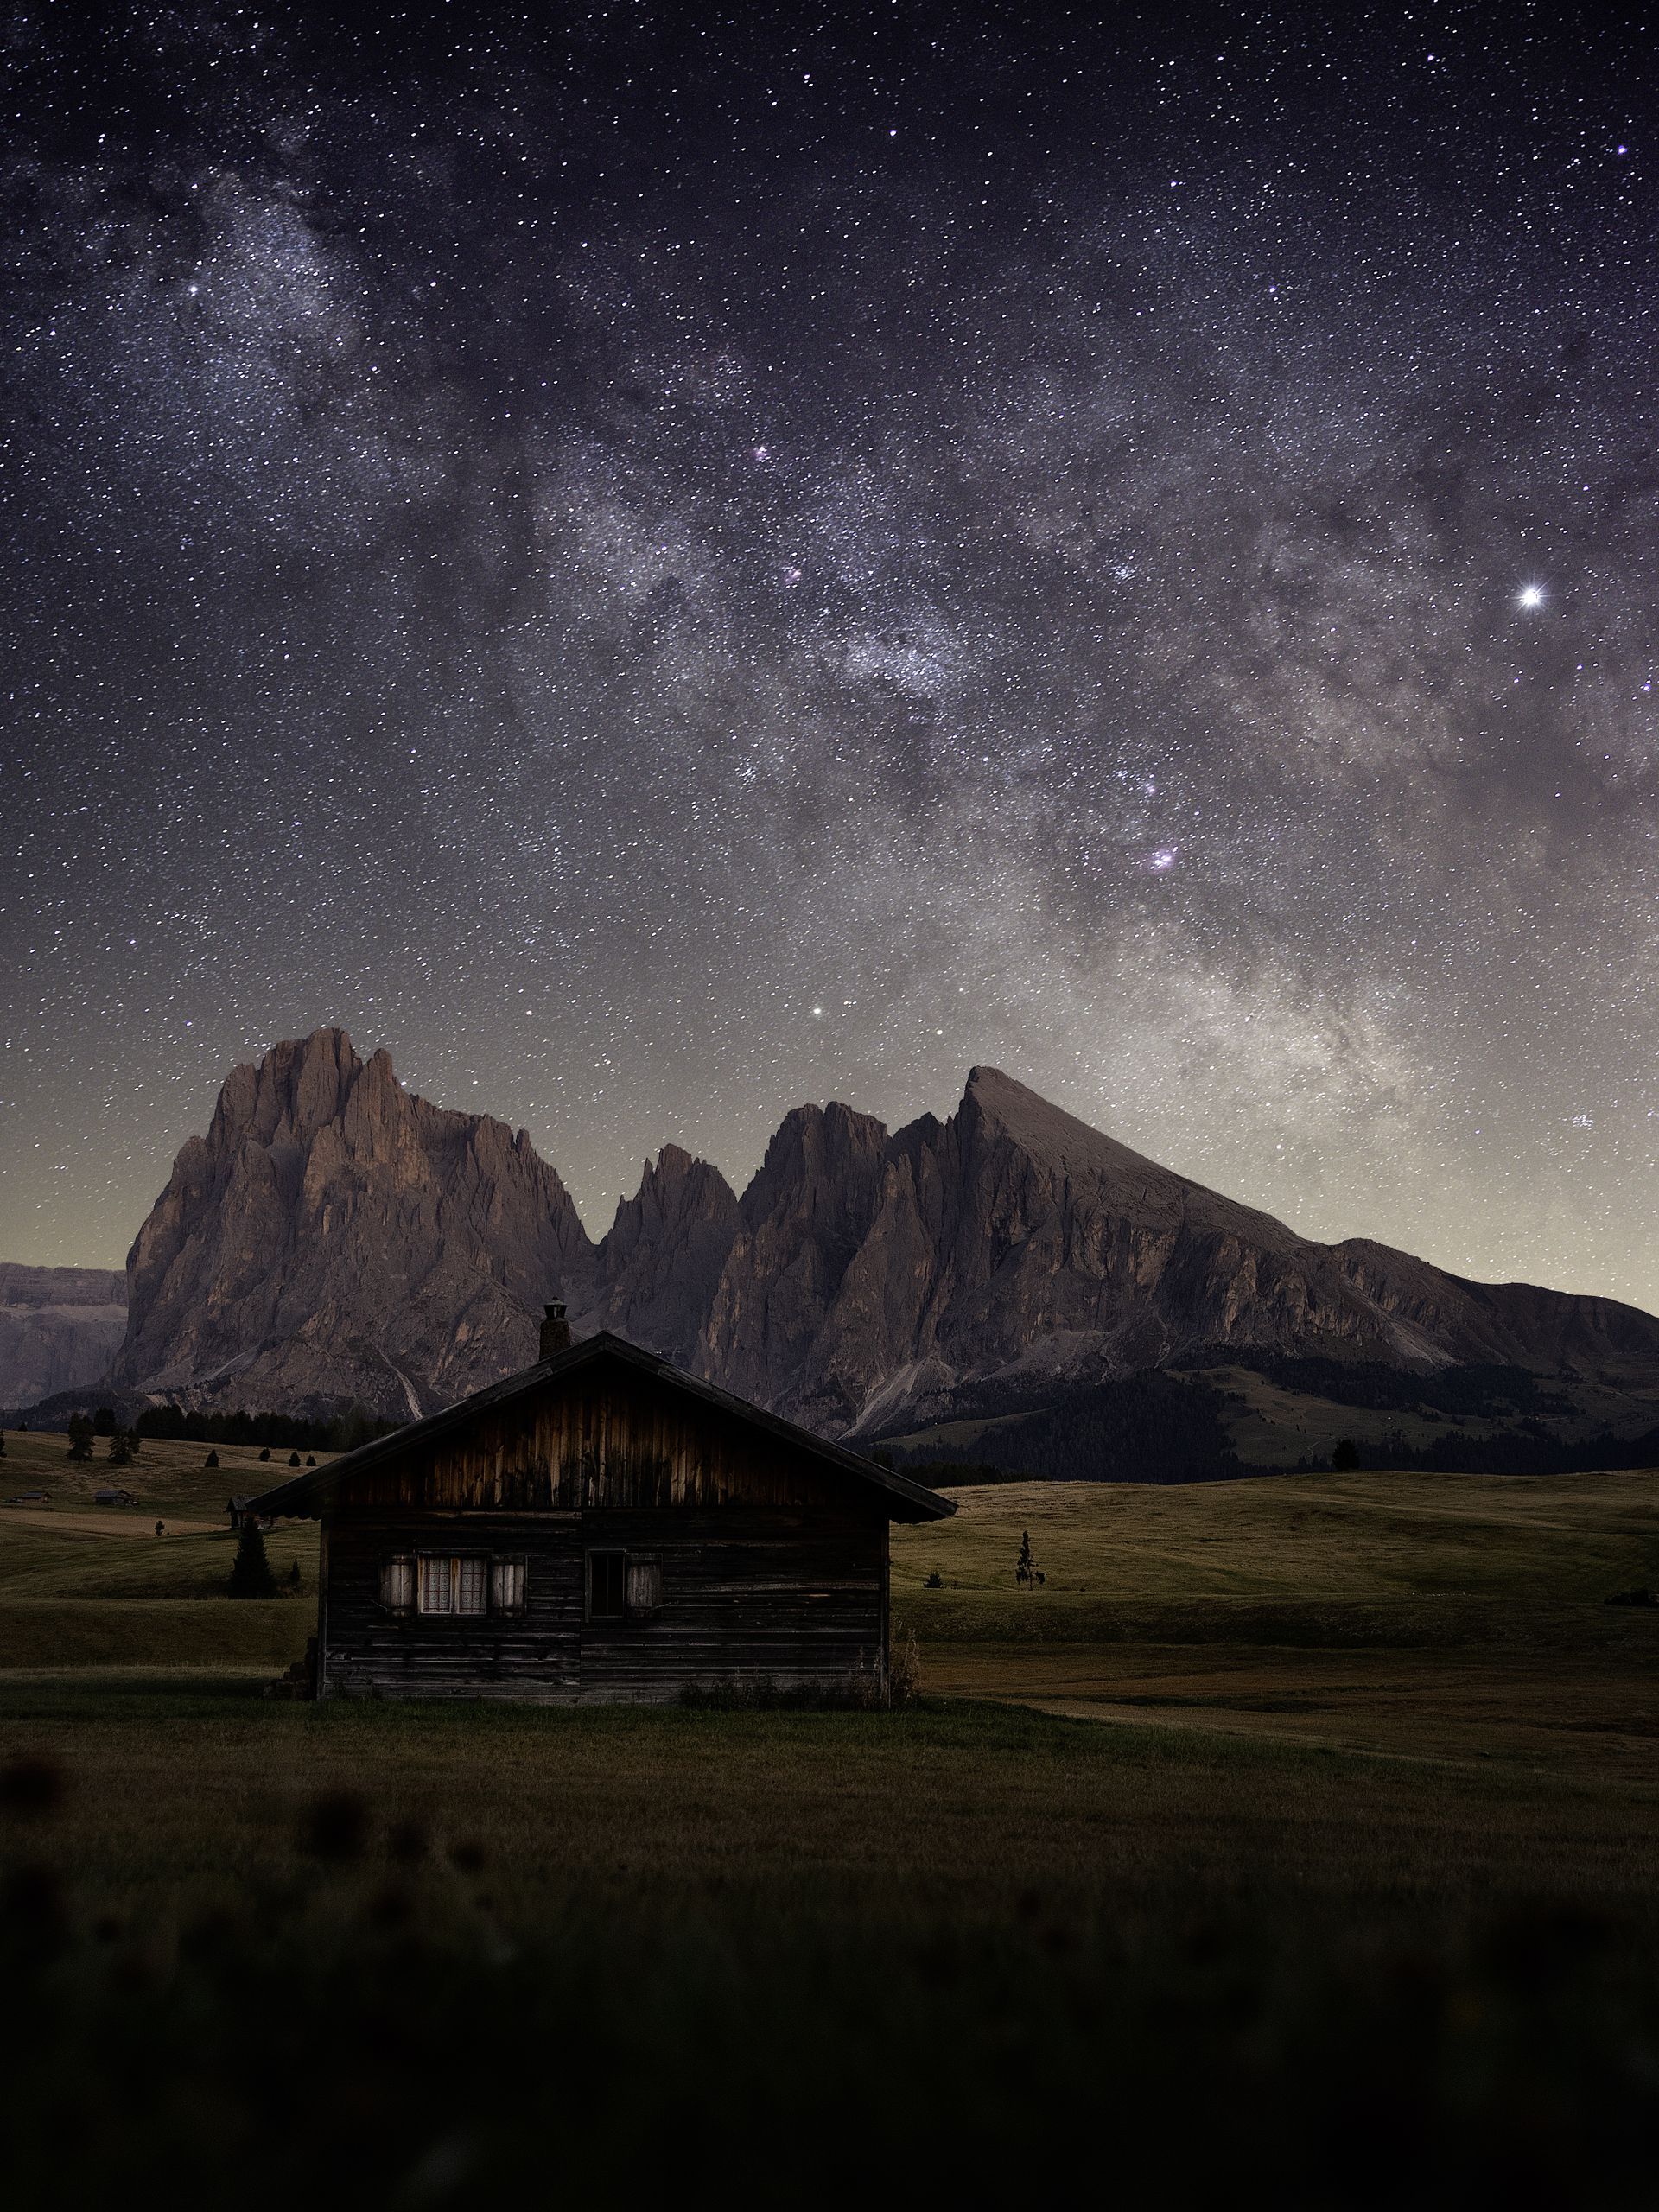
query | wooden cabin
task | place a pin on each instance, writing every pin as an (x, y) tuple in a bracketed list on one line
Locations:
[(599, 1529)]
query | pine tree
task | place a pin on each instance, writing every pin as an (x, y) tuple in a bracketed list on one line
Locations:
[(80, 1436), (212, 1460), (1026, 1569), (251, 1575)]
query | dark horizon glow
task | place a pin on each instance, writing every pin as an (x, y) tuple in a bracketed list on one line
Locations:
[(662, 566)]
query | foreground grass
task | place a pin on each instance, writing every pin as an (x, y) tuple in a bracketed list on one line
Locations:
[(1350, 1901), (484, 1950)]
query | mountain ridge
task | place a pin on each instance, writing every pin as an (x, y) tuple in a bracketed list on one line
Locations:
[(335, 1237)]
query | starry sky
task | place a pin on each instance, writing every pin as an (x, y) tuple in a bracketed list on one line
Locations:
[(666, 563)]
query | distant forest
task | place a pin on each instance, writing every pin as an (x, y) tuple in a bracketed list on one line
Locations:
[(1148, 1428), (1529, 1450), (1155, 1427), (341, 1433)]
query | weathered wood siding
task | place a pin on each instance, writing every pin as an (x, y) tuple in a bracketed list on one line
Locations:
[(365, 1651), (748, 1596), (595, 1444), (770, 1570)]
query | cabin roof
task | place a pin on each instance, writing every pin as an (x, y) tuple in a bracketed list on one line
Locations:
[(308, 1494)]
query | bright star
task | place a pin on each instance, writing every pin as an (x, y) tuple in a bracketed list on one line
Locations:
[(1163, 859), (1530, 596)]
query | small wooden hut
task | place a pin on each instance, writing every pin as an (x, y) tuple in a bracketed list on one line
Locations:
[(601, 1527)]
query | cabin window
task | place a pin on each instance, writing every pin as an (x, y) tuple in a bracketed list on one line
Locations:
[(645, 1584), (397, 1585), (606, 1585), (454, 1584), (621, 1585), (437, 1577), (507, 1586)]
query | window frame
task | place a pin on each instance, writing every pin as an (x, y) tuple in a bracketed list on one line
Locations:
[(628, 1610), (520, 1562), (651, 1563), (411, 1565), (590, 1611), (419, 1562)]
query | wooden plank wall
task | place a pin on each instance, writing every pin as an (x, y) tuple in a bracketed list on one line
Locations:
[(599, 1443), (750, 1596), (368, 1652)]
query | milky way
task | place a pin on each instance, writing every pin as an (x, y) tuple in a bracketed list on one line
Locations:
[(664, 568)]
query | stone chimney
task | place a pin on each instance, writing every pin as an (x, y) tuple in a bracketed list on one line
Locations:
[(556, 1331)]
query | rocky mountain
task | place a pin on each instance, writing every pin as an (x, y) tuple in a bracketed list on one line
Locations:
[(657, 1270), (334, 1237), (60, 1328), (877, 1282)]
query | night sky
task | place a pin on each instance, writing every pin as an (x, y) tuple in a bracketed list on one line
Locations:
[(665, 565)]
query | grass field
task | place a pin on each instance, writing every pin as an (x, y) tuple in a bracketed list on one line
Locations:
[(1295, 1835)]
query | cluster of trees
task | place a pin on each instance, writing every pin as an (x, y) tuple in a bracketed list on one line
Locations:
[(125, 1443), (1530, 1449), (340, 1432)]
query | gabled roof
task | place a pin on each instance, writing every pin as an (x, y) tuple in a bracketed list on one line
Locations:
[(308, 1494)]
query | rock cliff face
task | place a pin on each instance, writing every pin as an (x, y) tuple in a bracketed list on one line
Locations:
[(60, 1328), (880, 1281), (332, 1238), (657, 1269)]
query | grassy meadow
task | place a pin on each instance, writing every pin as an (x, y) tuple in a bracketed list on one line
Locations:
[(88, 1584), (1295, 1834)]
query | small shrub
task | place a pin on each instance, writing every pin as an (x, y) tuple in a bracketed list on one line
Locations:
[(905, 1669), (265, 1453), (293, 1459), (212, 1460), (935, 1581)]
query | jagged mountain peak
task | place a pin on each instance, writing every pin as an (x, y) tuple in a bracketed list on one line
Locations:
[(657, 1269), (335, 1235)]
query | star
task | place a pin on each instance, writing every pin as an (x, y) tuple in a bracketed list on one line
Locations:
[(1530, 596)]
